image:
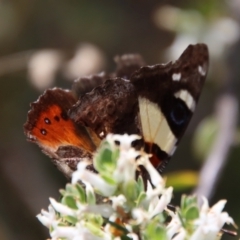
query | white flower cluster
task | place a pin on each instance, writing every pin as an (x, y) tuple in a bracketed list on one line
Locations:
[(128, 209), (206, 227)]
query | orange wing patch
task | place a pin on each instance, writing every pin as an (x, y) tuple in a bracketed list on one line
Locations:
[(54, 129), (49, 125)]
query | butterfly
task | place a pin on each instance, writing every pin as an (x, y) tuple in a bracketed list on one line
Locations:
[(156, 102)]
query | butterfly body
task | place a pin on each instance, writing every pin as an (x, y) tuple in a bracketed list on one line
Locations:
[(156, 102)]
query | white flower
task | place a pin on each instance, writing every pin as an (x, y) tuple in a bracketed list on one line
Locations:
[(79, 232), (62, 209), (140, 215), (155, 206), (99, 183), (175, 227), (180, 235), (89, 188), (153, 192), (47, 218), (118, 201), (125, 141), (91, 223), (162, 202), (211, 221), (152, 205), (126, 166), (152, 196), (96, 181), (133, 236), (81, 168), (64, 232), (126, 163), (104, 210), (156, 178)]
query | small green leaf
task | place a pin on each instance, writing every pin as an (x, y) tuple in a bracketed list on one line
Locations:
[(62, 192), (69, 201), (142, 196), (81, 193), (91, 199), (161, 217), (191, 200), (183, 202), (93, 228), (108, 178), (71, 189), (106, 158), (189, 209), (95, 219), (140, 184), (71, 219), (155, 231), (130, 190), (187, 201), (191, 213)]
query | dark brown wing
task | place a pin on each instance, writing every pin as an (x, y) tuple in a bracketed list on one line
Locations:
[(109, 108), (168, 94), (157, 102)]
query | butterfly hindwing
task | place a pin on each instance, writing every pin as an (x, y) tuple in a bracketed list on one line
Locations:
[(49, 126)]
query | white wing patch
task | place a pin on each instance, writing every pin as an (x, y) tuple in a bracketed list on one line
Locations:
[(155, 127), (201, 70), (187, 98), (176, 76)]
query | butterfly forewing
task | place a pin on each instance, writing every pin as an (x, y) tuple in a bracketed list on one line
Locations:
[(167, 96)]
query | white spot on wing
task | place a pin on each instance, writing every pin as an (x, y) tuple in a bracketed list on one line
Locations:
[(201, 70), (155, 127), (173, 150), (187, 98), (151, 67), (176, 76)]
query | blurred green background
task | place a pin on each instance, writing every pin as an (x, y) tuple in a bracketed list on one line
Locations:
[(50, 43)]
